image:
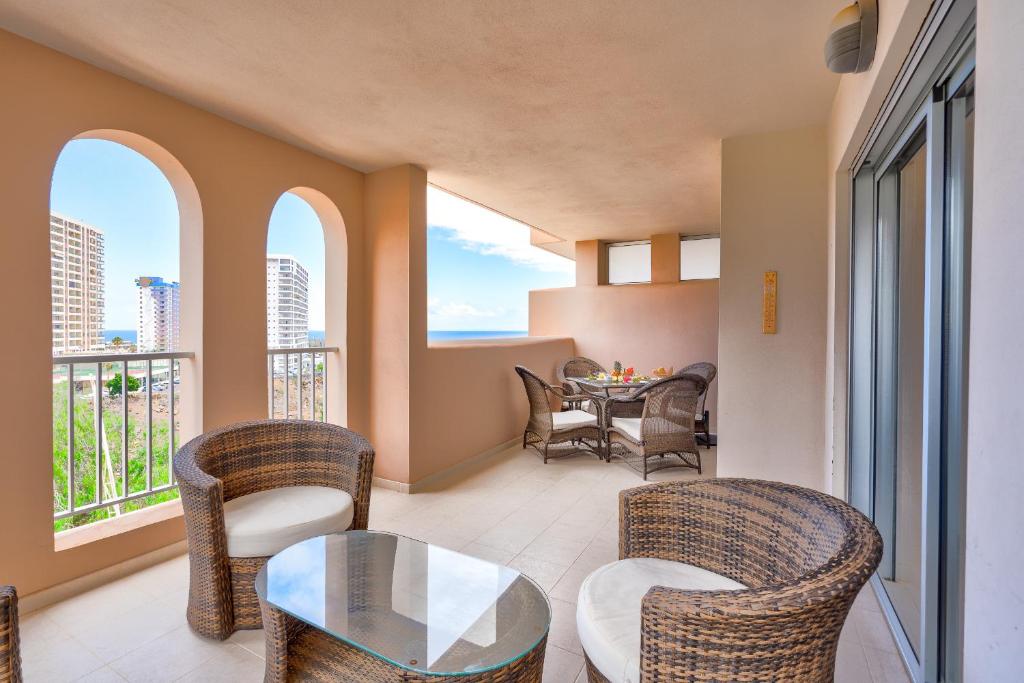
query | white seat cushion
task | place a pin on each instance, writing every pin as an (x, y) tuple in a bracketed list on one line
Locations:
[(629, 425), (608, 609), (571, 419), (265, 523)]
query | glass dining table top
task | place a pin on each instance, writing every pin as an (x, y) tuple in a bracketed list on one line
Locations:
[(421, 607)]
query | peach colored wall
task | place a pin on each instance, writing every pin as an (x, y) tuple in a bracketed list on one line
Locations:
[(646, 326), (472, 398), (771, 387), (49, 99)]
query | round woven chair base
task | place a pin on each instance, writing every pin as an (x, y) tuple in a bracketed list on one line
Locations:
[(243, 590)]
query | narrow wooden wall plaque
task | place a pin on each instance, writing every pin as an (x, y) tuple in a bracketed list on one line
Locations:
[(771, 289)]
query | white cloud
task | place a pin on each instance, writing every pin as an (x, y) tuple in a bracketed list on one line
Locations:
[(483, 231), (451, 309)]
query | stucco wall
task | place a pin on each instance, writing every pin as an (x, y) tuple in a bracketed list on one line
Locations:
[(646, 326), (472, 400), (49, 99), (994, 623), (771, 387)]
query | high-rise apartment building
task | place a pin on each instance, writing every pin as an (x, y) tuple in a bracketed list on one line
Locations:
[(159, 319), (287, 302), (76, 285)]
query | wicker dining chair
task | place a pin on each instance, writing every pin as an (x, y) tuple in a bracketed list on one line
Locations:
[(10, 657), (249, 458), (796, 559), (570, 370), (665, 426), (545, 428), (702, 422)]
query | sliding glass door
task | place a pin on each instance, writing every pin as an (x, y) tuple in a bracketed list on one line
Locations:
[(908, 347)]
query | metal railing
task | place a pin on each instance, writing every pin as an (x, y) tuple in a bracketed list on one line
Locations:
[(112, 481), (292, 366)]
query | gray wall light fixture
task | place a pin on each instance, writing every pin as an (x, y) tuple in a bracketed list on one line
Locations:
[(851, 38)]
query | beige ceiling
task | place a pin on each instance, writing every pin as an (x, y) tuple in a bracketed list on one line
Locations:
[(585, 118)]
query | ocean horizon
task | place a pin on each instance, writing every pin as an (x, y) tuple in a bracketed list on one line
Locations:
[(131, 337)]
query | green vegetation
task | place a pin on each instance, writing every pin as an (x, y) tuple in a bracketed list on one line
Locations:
[(114, 384), (111, 445)]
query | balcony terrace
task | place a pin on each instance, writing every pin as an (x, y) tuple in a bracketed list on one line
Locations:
[(862, 432)]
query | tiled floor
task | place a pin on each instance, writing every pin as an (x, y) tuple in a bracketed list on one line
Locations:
[(554, 522)]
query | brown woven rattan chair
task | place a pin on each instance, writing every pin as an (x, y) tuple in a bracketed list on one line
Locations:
[(665, 426), (248, 458), (800, 555), (702, 422), (10, 658), (567, 372), (545, 428)]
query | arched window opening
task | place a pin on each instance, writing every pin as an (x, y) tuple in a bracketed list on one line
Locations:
[(122, 378), (297, 353)]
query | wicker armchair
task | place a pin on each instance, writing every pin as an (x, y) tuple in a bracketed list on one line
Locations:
[(570, 370), (10, 659), (665, 426), (702, 422), (545, 428), (248, 458), (800, 555)]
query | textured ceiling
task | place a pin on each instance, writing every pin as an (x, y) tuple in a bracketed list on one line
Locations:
[(584, 118)]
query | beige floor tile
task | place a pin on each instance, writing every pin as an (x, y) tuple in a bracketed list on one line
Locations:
[(112, 638), (873, 630), (104, 675), (597, 554), (568, 587), (561, 666), (546, 574), (563, 632), (488, 553), (582, 677), (167, 658), (556, 550), (512, 537), (57, 660), (105, 603), (885, 666), (851, 665), (252, 640), (232, 665)]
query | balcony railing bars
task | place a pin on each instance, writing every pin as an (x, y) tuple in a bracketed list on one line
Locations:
[(103, 466), (293, 363)]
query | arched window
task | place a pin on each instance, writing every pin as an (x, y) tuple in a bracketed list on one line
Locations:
[(123, 340), (305, 331)]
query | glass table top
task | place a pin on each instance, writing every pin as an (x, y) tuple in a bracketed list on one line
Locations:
[(420, 607)]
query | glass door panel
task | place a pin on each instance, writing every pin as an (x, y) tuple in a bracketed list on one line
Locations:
[(900, 326)]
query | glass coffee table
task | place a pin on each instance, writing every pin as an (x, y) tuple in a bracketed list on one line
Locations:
[(374, 606)]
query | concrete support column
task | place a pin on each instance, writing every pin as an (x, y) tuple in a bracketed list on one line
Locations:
[(591, 263), (665, 257), (395, 215)]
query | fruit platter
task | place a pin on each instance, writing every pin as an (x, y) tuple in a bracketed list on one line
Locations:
[(618, 375)]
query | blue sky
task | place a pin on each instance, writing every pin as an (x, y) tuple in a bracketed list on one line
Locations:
[(481, 267), (480, 264)]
